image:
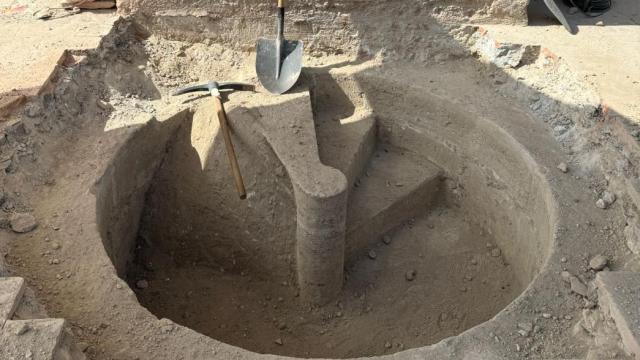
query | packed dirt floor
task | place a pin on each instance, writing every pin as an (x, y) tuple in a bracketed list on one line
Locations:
[(487, 179), (433, 270)]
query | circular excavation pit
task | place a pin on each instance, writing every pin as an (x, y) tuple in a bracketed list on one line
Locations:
[(439, 218)]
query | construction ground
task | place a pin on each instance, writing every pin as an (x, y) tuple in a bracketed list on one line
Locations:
[(447, 179)]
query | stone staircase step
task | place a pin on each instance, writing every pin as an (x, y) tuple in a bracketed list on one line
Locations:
[(345, 126), (35, 339), (619, 297), (11, 291), (396, 185)]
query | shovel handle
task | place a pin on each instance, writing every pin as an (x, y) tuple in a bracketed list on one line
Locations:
[(231, 153), (282, 3)]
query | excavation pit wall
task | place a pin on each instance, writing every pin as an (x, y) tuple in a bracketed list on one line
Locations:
[(168, 190)]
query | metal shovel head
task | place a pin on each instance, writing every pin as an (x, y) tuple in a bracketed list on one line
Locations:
[(290, 65)]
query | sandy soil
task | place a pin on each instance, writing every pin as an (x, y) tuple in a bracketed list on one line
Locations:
[(434, 271), (56, 156)]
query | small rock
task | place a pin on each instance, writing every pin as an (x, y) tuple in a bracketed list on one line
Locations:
[(410, 275), (563, 167), (387, 345), (372, 254), (474, 261), (103, 104), (600, 23), (278, 341), (496, 252), (55, 261), (563, 259), (22, 222), (55, 246), (573, 10), (546, 315), (386, 239), (142, 284), (22, 328), (588, 304), (33, 109), (282, 325), (526, 326), (606, 200), (598, 262), (578, 287), (566, 276), (608, 197)]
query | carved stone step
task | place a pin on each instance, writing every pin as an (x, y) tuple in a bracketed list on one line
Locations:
[(11, 291), (395, 187)]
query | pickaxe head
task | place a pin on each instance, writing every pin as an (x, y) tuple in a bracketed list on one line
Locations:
[(214, 87)]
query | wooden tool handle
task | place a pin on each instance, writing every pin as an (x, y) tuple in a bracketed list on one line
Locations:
[(282, 3), (231, 153)]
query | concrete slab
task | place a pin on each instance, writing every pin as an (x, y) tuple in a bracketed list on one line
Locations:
[(36, 339), (11, 291), (619, 296)]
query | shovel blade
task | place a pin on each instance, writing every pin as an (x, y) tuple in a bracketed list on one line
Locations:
[(290, 64)]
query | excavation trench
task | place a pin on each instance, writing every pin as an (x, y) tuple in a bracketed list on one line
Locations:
[(438, 219)]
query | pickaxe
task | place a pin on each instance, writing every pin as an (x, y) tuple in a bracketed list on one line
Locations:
[(214, 88)]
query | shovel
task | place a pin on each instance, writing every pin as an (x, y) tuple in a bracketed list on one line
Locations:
[(279, 61)]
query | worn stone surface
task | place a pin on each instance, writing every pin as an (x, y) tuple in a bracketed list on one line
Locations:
[(22, 222), (11, 290), (619, 297), (37, 339)]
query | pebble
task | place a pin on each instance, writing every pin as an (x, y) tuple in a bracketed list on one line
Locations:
[(525, 328), (278, 341), (563, 259), (600, 23), (606, 200), (142, 284), (598, 262), (55, 246), (22, 222), (387, 345), (563, 167), (22, 328), (372, 254), (474, 261), (410, 275), (496, 252), (386, 239), (546, 315)]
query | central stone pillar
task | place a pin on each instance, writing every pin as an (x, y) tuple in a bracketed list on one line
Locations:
[(286, 121)]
